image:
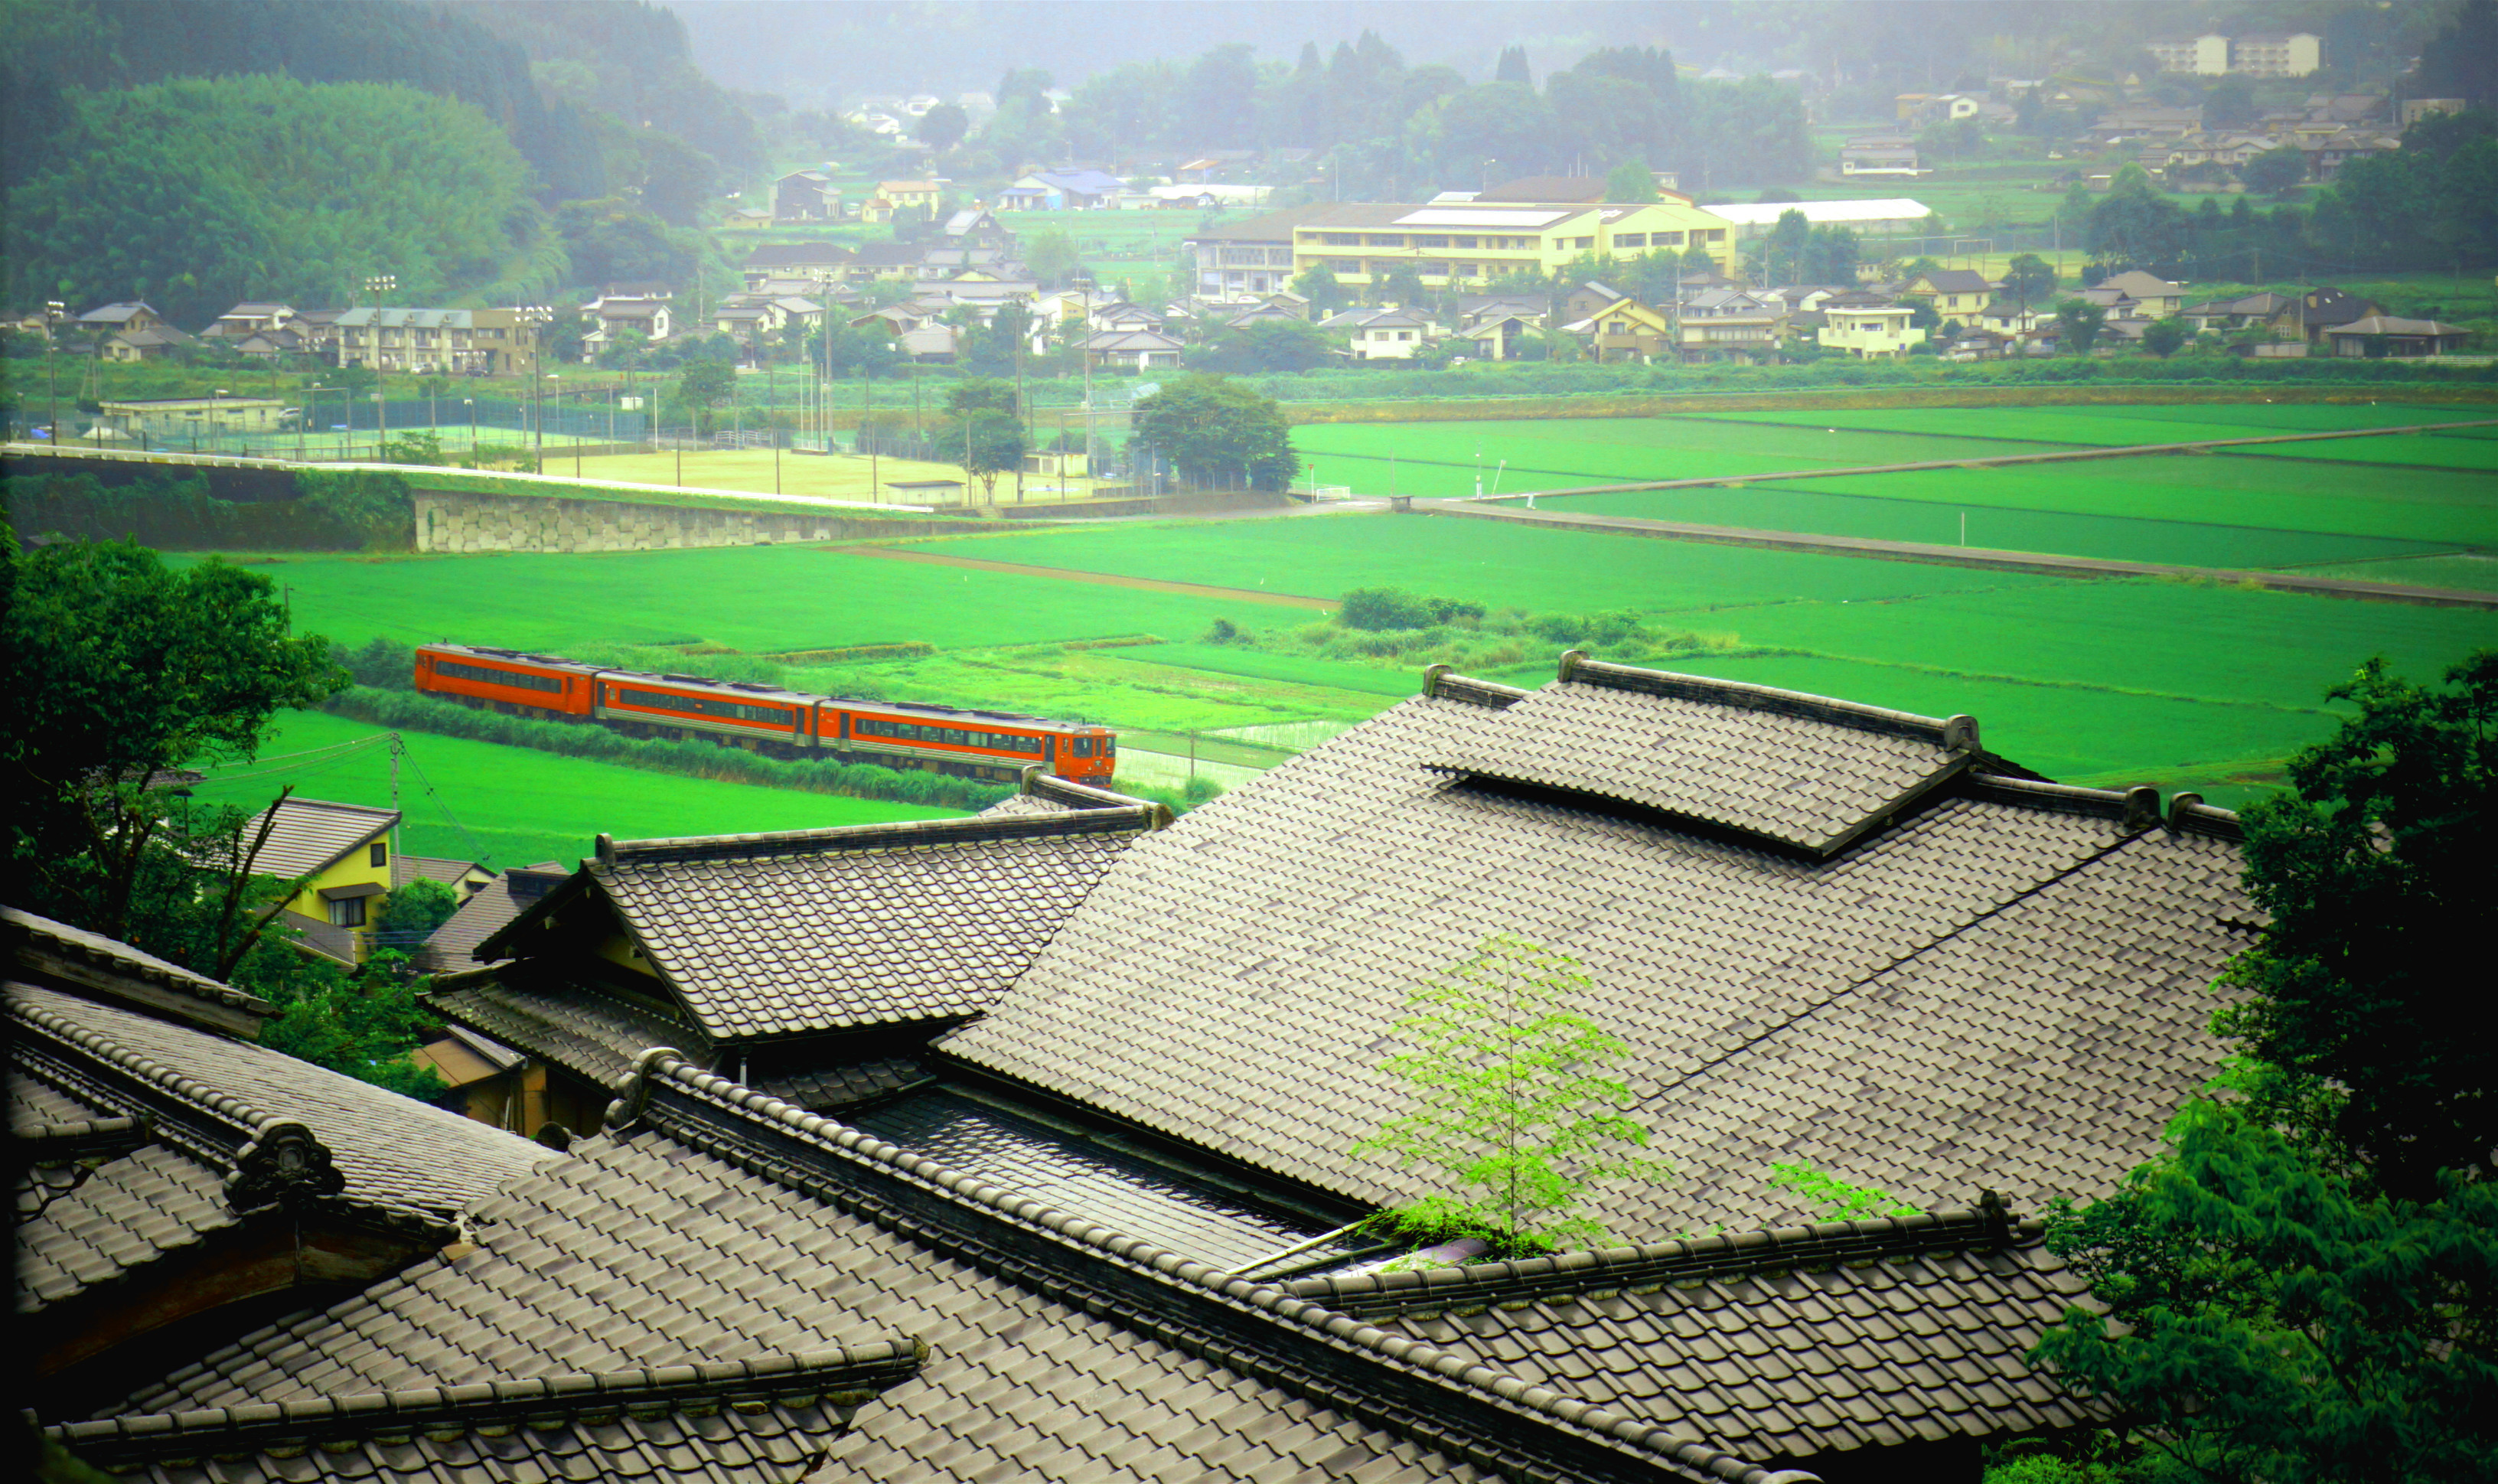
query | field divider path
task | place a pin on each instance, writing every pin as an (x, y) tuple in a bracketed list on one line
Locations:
[(2041, 562), (1992, 461), (1104, 579)]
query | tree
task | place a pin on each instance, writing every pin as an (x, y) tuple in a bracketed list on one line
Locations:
[(411, 913), (2078, 323), (942, 126), (2375, 874), (990, 444), (1216, 429), (2275, 171), (2163, 338), (2305, 1285), (702, 386), (1320, 287), (119, 670), (2028, 278), (1401, 286), (1052, 258), (1511, 67), (1266, 345), (1630, 182), (2230, 104), (1510, 1104)]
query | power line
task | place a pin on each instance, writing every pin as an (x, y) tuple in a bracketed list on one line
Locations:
[(476, 846)]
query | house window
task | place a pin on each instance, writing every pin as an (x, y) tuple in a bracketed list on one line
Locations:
[(1343, 265), (1467, 270), (1341, 239), (1404, 335), (1582, 241), (378, 855), (1630, 239), (347, 912), (1431, 241), (1387, 241), (1465, 243)]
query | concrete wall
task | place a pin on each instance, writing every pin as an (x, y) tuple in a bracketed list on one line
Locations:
[(448, 520)]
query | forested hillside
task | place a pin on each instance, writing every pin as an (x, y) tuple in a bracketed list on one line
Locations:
[(200, 152), (196, 193)]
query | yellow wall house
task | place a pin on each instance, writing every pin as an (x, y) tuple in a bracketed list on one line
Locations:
[(1878, 332), (1462, 243), (1625, 330), (339, 855)]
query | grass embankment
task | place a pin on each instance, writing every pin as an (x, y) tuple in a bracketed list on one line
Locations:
[(466, 798)]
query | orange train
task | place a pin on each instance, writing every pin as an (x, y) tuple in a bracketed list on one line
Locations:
[(765, 719)]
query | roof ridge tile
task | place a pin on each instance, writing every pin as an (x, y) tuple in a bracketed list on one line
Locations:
[(1955, 732), (898, 835), (1580, 1424), (848, 1371), (96, 948)]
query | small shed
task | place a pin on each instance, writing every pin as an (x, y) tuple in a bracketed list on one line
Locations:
[(927, 492)]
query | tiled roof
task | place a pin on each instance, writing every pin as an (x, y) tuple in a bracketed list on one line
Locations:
[(91, 963), (592, 1033), (83, 1227), (813, 932), (723, 1226), (485, 913), (1788, 1343), (732, 1421), (2005, 985), (311, 832), (1778, 765), (388, 1151)]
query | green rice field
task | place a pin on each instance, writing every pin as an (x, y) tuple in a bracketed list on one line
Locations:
[(2413, 496), (2184, 684), (513, 806)]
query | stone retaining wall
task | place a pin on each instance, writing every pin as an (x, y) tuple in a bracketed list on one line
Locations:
[(455, 520)]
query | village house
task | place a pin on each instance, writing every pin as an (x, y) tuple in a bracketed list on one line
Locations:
[(171, 419), (1880, 156), (2143, 295), (1062, 190), (822, 263), (1889, 216), (1251, 256), (1625, 330), (1137, 350), (806, 195), (1382, 335), (1501, 335), (1873, 333), (2386, 334), (1954, 293)]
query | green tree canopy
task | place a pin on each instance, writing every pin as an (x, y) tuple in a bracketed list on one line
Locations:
[(2078, 323), (118, 669), (225, 189), (1263, 347), (2028, 278), (1217, 429), (942, 126), (2276, 172)]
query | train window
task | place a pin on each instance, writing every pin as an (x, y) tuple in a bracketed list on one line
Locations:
[(1083, 747), (492, 677), (1110, 746), (951, 736), (704, 705)]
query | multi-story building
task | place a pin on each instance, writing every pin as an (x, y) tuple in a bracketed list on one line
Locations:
[(1449, 244), (2256, 54), (476, 342)]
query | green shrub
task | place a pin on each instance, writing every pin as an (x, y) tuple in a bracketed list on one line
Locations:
[(1375, 609)]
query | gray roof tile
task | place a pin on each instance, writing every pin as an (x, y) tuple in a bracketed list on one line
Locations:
[(1233, 980)]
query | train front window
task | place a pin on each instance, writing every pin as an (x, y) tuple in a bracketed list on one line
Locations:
[(1083, 747)]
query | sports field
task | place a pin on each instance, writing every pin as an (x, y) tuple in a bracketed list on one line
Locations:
[(513, 806), (831, 477)]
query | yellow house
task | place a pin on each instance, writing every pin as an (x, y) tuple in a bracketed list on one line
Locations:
[(911, 193), (343, 859), (1461, 243), (1877, 332), (1958, 293), (1625, 330)]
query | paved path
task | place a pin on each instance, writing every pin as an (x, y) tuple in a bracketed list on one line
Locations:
[(1958, 555), (1999, 461), (1105, 579)]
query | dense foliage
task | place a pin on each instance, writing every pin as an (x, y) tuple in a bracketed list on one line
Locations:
[(1218, 430), (1396, 130), (196, 194), (2305, 1286)]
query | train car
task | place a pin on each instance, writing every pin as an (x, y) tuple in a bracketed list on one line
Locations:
[(987, 744), (765, 719), (507, 680), (756, 717)]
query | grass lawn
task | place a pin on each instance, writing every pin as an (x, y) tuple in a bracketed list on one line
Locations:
[(2477, 573), (763, 599), (1099, 686), (516, 805)]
